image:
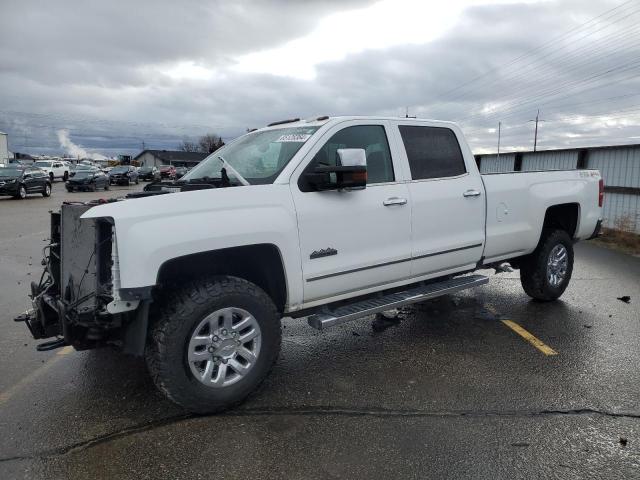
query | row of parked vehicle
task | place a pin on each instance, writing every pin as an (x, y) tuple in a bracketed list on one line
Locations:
[(19, 180)]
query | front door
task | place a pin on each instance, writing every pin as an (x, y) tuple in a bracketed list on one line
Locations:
[(359, 239), (448, 201)]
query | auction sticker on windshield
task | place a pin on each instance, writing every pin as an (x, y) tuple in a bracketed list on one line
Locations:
[(294, 137)]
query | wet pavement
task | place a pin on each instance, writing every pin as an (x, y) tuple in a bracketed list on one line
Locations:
[(448, 391)]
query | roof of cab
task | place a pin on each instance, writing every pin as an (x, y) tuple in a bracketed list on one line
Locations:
[(319, 121)]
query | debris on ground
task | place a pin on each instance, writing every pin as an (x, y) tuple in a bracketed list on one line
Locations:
[(625, 299), (587, 326), (355, 334), (623, 441), (382, 322)]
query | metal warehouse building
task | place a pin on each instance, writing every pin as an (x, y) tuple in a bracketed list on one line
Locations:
[(158, 158), (619, 166)]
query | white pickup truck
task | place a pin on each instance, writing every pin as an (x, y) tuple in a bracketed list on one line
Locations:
[(331, 219), (54, 168)]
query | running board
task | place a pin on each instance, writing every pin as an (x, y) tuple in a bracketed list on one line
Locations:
[(346, 313)]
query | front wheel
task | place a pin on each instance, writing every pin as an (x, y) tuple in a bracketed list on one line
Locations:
[(545, 273), (47, 191), (22, 193), (214, 342)]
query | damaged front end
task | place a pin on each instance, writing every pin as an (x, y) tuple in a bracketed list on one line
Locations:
[(77, 299)]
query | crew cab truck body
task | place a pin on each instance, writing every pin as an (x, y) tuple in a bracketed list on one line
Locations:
[(332, 219)]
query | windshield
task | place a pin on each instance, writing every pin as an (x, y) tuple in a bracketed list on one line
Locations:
[(84, 173), (10, 172), (119, 169), (42, 164), (259, 157), (144, 169)]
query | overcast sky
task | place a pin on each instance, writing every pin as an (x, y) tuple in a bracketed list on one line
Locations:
[(106, 76)]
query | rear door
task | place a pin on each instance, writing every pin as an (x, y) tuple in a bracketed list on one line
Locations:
[(447, 198), (355, 240)]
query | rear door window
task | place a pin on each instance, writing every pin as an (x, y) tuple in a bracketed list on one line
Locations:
[(433, 152)]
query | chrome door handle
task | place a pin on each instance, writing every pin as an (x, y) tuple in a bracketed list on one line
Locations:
[(394, 201), (471, 193)]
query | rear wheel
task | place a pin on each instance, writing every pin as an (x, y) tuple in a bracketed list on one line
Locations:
[(51, 176), (65, 177), (545, 273), (214, 342), (106, 186), (47, 191)]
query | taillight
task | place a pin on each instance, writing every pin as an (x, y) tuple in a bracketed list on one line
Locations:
[(600, 192)]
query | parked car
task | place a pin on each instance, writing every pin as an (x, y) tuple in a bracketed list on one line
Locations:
[(181, 172), (149, 173), (123, 175), (18, 182), (54, 168), (356, 216), (168, 171), (88, 179)]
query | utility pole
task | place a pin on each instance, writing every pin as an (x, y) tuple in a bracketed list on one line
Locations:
[(499, 131), (143, 146), (535, 135)]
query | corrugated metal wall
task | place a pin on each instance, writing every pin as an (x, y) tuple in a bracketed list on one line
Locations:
[(565, 160), (619, 166), (495, 164)]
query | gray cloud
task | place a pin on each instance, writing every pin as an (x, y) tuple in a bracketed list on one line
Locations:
[(92, 68)]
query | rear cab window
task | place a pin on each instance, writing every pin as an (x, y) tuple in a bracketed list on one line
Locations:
[(433, 152)]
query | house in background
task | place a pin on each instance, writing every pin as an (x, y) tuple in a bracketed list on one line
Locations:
[(157, 158)]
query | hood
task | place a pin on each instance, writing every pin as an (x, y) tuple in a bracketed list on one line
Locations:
[(191, 203)]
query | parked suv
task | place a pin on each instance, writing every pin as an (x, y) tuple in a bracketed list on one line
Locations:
[(148, 173), (168, 171), (54, 168), (19, 182), (123, 175)]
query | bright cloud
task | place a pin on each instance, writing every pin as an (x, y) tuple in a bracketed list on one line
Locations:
[(383, 25)]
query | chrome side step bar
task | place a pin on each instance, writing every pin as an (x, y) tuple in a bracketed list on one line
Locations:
[(346, 313)]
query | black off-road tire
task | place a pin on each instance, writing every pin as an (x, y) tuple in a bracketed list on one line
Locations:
[(533, 269), (174, 320)]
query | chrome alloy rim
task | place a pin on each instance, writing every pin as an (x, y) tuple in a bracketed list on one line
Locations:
[(224, 347), (23, 192), (557, 265)]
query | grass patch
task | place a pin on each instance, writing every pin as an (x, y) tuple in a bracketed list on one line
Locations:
[(621, 237)]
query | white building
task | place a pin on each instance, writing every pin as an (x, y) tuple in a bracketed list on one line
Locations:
[(4, 149)]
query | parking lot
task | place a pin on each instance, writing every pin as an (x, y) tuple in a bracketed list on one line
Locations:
[(456, 388)]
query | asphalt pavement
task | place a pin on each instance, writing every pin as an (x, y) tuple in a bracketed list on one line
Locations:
[(451, 390)]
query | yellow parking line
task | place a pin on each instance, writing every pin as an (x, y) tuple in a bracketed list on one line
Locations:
[(6, 395), (532, 339)]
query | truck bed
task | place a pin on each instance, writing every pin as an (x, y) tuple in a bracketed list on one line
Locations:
[(517, 202)]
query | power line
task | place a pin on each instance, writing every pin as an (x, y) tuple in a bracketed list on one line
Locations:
[(539, 47)]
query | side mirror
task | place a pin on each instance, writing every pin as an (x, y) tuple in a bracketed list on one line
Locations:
[(351, 173)]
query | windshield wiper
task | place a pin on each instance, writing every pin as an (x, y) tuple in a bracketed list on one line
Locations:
[(228, 166)]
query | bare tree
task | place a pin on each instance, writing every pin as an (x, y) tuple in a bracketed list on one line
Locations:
[(210, 142), (187, 146)]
